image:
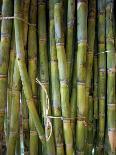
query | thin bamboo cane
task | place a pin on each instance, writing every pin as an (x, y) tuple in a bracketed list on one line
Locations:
[(91, 43), (25, 113), (111, 78), (32, 69), (70, 37), (62, 66), (10, 82), (82, 11), (15, 109), (101, 72), (55, 84), (23, 70), (6, 29), (43, 69), (73, 99)]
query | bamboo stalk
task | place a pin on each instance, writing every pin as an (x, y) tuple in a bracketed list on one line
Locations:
[(32, 69), (111, 78), (101, 72), (62, 66), (70, 37), (91, 43), (82, 10), (23, 70), (15, 109), (73, 99), (55, 85), (10, 83), (6, 29), (25, 112), (43, 70)]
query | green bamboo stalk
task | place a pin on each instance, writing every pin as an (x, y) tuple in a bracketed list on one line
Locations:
[(91, 42), (43, 69), (101, 71), (25, 123), (82, 11), (55, 85), (10, 82), (0, 15), (26, 4), (25, 112), (95, 91), (32, 69), (70, 37), (90, 127), (15, 111), (95, 97), (23, 70), (90, 53), (73, 99), (111, 77), (6, 29), (62, 66)]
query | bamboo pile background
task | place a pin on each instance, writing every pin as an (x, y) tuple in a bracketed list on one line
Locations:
[(57, 77)]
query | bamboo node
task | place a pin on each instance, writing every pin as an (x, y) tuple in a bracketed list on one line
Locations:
[(2, 76), (64, 82), (59, 44), (2, 112)]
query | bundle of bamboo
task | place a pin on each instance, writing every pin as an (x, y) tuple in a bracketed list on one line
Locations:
[(57, 77)]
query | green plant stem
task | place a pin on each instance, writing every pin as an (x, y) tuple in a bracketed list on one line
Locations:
[(62, 66), (23, 71)]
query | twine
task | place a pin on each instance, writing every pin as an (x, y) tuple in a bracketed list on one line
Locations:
[(48, 117), (15, 17), (48, 122)]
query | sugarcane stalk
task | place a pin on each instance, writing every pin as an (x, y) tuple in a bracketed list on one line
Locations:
[(70, 37), (15, 111), (63, 76), (6, 29), (23, 70), (82, 10), (10, 82), (101, 71), (111, 78), (32, 69), (55, 85)]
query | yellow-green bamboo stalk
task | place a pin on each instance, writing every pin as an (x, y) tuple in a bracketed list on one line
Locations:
[(70, 37), (101, 72), (82, 12), (55, 85), (23, 70), (10, 82), (25, 113), (32, 69), (6, 30), (15, 111), (43, 70), (63, 76), (111, 78)]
